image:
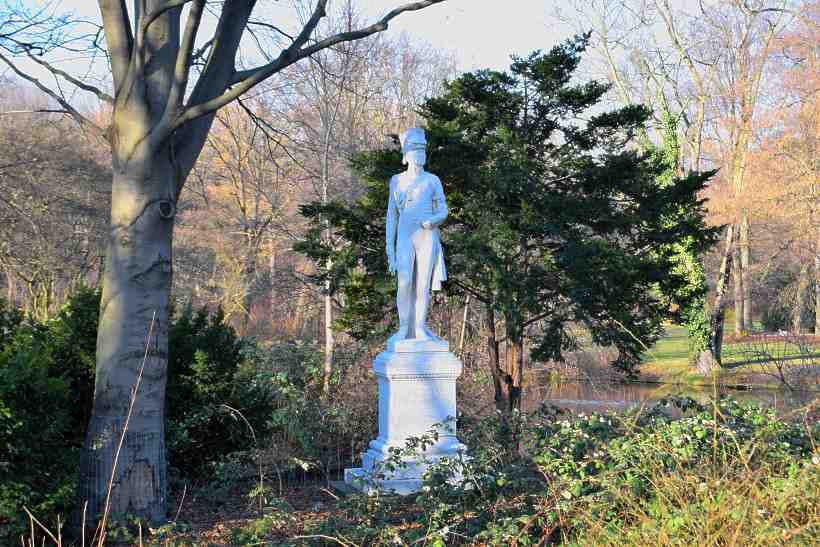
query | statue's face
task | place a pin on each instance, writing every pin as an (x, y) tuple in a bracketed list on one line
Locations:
[(417, 156)]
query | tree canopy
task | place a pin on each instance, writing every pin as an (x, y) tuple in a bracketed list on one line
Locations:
[(556, 219)]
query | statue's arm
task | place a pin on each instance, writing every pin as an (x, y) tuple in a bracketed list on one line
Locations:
[(391, 224), (440, 210)]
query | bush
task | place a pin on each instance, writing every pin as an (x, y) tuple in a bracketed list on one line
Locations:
[(39, 462), (216, 405), (642, 478), (307, 428), (46, 395), (46, 392), (10, 319)]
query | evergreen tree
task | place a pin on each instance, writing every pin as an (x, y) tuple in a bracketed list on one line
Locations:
[(556, 219)]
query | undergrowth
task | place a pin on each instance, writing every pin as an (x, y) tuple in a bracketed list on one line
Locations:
[(729, 474)]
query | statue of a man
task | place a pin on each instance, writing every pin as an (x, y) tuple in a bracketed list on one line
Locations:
[(415, 210)]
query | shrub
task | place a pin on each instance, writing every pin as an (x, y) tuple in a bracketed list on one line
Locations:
[(46, 395), (642, 478), (72, 336), (39, 462), (46, 392), (307, 428), (213, 401), (10, 319)]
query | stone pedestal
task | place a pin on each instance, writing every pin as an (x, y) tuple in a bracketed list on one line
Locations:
[(417, 390)]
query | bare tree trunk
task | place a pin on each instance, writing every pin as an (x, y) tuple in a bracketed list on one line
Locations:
[(800, 298), (136, 288), (494, 359), (328, 302), (745, 276), (737, 290), (711, 358), (513, 380), (817, 285), (463, 327), (272, 295), (249, 280), (329, 340)]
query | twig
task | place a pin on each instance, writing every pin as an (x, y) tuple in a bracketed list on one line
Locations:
[(82, 529), (329, 538), (181, 501), (32, 520), (107, 509)]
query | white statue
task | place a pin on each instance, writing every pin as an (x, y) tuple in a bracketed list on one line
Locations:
[(417, 373), (415, 210)]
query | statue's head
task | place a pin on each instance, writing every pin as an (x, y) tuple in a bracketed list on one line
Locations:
[(414, 146)]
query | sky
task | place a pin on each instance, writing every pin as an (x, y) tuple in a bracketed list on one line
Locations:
[(479, 33)]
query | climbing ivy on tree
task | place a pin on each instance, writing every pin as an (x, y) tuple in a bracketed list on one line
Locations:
[(689, 294)]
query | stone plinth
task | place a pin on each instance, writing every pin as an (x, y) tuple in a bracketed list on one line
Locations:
[(417, 390)]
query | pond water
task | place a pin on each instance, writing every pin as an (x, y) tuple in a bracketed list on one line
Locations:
[(587, 396)]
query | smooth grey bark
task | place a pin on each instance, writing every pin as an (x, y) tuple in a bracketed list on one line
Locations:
[(136, 288)]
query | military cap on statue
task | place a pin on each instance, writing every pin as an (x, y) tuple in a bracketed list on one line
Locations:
[(413, 139)]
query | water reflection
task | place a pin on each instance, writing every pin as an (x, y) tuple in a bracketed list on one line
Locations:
[(580, 396)]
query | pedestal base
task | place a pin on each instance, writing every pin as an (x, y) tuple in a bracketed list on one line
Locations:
[(417, 397)]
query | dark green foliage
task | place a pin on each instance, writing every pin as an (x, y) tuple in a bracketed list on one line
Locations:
[(46, 393), (210, 405), (38, 466), (46, 388), (73, 340), (10, 319), (688, 292), (553, 221)]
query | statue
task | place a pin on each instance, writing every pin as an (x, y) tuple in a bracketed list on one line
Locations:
[(415, 210), (417, 373)]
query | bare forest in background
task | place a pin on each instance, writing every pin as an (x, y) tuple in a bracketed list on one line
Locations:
[(738, 78), (238, 216)]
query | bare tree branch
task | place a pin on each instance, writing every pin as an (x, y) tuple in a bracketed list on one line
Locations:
[(183, 62), (35, 111), (118, 37), (82, 120), (292, 54), (196, 55), (270, 27), (103, 96)]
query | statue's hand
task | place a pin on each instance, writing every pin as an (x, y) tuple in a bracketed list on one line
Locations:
[(391, 262)]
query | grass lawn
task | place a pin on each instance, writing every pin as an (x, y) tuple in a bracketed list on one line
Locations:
[(668, 361)]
